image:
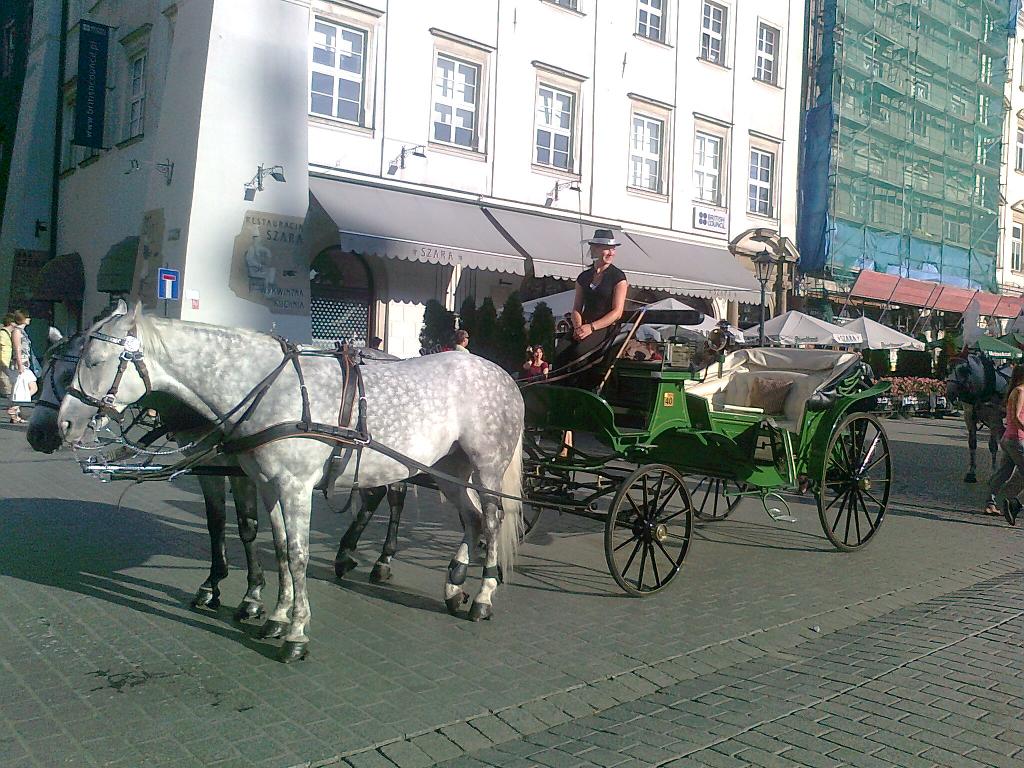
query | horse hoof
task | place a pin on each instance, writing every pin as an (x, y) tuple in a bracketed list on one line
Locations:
[(343, 565), (292, 651), (206, 598), (480, 612), (380, 574), (455, 602), (272, 629), (970, 477), (248, 611)]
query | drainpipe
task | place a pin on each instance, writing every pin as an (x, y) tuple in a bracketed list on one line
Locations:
[(58, 136)]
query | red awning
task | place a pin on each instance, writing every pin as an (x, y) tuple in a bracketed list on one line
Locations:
[(890, 289)]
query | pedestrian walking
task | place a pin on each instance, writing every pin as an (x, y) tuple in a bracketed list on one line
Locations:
[(1005, 482), (22, 364), (6, 354)]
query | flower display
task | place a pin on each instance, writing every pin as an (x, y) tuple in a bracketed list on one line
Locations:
[(920, 386)]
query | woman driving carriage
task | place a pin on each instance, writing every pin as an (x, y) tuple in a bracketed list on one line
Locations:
[(597, 308)]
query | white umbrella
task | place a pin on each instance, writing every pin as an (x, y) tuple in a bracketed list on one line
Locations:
[(878, 336), (795, 328), (560, 304)]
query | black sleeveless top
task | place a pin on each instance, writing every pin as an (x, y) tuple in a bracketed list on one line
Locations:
[(597, 300)]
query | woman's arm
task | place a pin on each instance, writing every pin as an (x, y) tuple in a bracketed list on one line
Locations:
[(1018, 406), (16, 350), (577, 307)]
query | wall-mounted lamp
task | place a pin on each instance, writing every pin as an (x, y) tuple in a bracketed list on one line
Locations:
[(276, 172), (399, 162), (553, 194), (166, 168), (40, 227)]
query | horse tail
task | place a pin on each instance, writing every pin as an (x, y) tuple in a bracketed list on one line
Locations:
[(511, 531)]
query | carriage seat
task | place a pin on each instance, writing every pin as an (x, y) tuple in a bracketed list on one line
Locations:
[(808, 370)]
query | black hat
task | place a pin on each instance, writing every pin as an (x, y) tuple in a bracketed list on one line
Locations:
[(603, 237)]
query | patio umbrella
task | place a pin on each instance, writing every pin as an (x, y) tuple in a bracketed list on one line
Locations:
[(795, 328), (995, 348), (878, 336)]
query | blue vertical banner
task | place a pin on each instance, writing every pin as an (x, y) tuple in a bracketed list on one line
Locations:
[(91, 92)]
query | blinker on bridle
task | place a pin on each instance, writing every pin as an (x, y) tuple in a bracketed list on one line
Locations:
[(131, 354)]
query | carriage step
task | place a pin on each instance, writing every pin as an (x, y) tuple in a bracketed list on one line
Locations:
[(783, 518)]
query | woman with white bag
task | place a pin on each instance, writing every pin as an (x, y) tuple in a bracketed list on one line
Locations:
[(23, 379)]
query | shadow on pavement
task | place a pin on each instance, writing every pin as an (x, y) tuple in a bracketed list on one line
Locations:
[(72, 546)]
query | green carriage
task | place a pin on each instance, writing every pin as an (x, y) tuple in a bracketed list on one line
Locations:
[(672, 439)]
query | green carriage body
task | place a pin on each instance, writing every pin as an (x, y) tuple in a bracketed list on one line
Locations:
[(646, 415), (666, 425)]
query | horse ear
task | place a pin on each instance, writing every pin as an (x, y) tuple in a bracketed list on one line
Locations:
[(120, 309)]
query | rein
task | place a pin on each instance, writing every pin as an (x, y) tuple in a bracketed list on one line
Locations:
[(131, 354)]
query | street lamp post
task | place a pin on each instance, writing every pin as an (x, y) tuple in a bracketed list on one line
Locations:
[(763, 264)]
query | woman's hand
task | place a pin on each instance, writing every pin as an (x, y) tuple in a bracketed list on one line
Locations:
[(583, 331)]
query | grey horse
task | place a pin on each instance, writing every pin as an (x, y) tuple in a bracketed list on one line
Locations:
[(186, 425), (459, 415), (980, 386)]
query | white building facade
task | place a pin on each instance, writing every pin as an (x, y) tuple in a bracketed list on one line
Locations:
[(1010, 265), (324, 167)]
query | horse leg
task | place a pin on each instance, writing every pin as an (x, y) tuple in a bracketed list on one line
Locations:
[(369, 501), (972, 445), (491, 520), (276, 624), (381, 572), (244, 492), (296, 506), (208, 594)]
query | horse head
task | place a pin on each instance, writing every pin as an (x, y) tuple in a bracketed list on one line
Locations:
[(61, 359), (976, 378), (110, 374)]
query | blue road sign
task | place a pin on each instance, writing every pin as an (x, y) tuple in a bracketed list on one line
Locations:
[(168, 284)]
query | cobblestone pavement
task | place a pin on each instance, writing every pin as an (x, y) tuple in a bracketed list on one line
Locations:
[(770, 648)]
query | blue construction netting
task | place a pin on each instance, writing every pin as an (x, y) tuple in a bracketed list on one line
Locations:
[(813, 221)]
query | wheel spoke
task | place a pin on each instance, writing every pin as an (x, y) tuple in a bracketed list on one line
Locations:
[(837, 498), (643, 567), (634, 506), (671, 517), (623, 544), (632, 555), (871, 496), (839, 514), (661, 508), (654, 566), (672, 560), (846, 535), (646, 496), (867, 516), (856, 514), (871, 450)]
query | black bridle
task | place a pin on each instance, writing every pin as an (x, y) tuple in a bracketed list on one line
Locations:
[(131, 354), (49, 373)]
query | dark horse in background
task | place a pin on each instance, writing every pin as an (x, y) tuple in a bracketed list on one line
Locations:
[(981, 387), (185, 425)]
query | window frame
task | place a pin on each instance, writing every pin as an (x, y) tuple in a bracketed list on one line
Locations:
[(752, 182), (468, 52), (556, 87), (641, 111), (453, 103), (644, 6), (722, 37), (775, 58), (337, 74), (133, 97), (1017, 246), (719, 174), (1019, 149)]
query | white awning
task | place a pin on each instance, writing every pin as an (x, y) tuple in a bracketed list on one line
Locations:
[(558, 249), (396, 224)]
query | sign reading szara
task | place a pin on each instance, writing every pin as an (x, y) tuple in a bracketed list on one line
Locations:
[(268, 264), (91, 91)]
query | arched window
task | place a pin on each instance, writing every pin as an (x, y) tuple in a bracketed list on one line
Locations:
[(341, 298)]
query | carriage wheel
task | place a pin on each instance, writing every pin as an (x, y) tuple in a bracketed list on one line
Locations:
[(854, 490), (647, 532), (715, 499)]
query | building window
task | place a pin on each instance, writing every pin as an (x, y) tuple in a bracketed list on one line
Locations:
[(958, 104), (759, 186), (707, 167), (1019, 164), (1017, 247), (135, 112), (646, 155), (982, 108), (918, 122), (712, 33), (572, 5), (456, 91), (7, 50), (922, 91), (338, 72), (767, 69), (650, 19), (554, 127)]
